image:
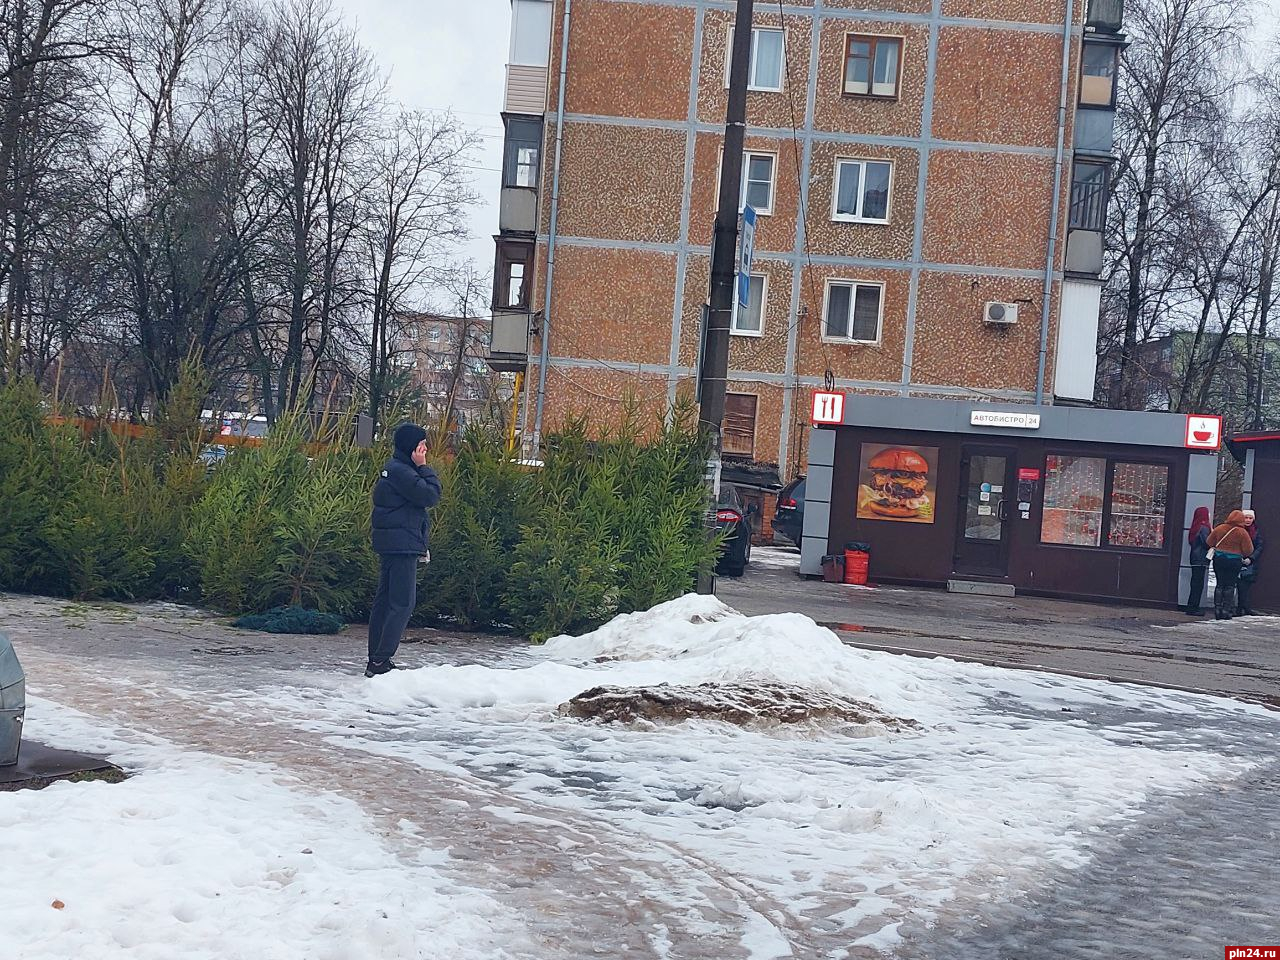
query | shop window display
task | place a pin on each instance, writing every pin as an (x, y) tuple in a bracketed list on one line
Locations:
[(1139, 497), (1073, 493)]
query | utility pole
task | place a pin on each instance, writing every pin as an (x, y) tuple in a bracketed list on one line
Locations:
[(714, 371)]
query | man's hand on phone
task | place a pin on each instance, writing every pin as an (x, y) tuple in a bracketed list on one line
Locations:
[(420, 454)]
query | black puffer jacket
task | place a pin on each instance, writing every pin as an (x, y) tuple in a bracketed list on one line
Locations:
[(401, 498)]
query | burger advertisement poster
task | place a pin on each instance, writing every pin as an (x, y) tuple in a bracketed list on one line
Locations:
[(897, 483)]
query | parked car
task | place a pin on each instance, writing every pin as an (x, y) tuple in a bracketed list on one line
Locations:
[(788, 519), (733, 517)]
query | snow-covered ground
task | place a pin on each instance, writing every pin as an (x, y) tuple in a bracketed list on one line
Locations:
[(1012, 775), (199, 857)]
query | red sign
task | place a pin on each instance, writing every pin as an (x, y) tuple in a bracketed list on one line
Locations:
[(828, 408), (1203, 432), (1028, 473)]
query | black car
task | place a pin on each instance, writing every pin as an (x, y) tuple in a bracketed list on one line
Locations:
[(733, 518), (788, 520)]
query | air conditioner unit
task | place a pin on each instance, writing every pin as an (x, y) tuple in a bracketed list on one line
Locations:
[(1001, 313)]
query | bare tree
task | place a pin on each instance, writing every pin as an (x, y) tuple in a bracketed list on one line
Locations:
[(1175, 95), (164, 175), (417, 201), (319, 98), (43, 48)]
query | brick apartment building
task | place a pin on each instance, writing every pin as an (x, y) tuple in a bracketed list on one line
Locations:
[(901, 155)]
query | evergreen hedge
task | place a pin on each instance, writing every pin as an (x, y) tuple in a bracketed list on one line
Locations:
[(607, 524)]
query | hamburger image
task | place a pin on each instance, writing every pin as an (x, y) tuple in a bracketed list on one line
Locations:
[(899, 478)]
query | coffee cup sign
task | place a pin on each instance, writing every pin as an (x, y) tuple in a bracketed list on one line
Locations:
[(1203, 432)]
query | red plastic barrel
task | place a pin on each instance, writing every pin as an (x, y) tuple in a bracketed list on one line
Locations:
[(855, 567)]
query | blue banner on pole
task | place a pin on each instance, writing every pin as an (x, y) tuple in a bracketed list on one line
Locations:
[(745, 251)]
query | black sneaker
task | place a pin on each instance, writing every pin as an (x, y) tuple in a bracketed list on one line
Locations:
[(374, 669)]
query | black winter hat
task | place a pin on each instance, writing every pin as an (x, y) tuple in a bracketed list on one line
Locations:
[(408, 436)]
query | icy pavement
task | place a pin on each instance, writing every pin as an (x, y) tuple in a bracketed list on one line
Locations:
[(205, 858), (1024, 796)]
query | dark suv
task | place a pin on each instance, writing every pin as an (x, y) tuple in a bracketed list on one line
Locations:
[(788, 520)]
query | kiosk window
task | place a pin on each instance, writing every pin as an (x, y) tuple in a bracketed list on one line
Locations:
[(1139, 496), (1073, 492), (1088, 505)]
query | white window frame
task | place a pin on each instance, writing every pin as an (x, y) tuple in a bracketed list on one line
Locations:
[(764, 308), (835, 190), (741, 193), (826, 304), (751, 60)]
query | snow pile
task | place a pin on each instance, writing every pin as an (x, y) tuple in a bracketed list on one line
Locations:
[(198, 857), (759, 704), (1013, 775), (689, 641)]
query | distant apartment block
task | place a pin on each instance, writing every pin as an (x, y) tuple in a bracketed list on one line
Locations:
[(901, 155)]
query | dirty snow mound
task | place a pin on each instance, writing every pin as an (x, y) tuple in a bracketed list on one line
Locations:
[(744, 704)]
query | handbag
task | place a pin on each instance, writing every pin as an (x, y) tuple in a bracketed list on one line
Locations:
[(1208, 554)]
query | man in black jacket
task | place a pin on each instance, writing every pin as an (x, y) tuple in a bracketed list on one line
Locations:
[(401, 536)]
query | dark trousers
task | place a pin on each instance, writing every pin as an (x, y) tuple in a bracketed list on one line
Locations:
[(1196, 596), (393, 604), (1243, 586), (1226, 567)]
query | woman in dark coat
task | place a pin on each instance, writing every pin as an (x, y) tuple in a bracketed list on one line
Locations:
[(406, 489), (1198, 537), (1249, 571)]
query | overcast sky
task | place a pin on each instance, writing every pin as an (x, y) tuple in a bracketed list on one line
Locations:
[(452, 54)]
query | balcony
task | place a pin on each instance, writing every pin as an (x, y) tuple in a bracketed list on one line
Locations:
[(526, 89), (1095, 131), (509, 340), (518, 210), (1104, 16), (1084, 253)]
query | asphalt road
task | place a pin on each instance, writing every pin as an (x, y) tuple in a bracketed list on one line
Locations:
[(1238, 658)]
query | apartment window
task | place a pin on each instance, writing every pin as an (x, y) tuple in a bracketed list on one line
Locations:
[(757, 181), (871, 65), (862, 190), (749, 322), (1098, 67), (1089, 183), (523, 148), (739, 433), (433, 335), (1085, 496), (853, 311), (764, 70), (511, 278)]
